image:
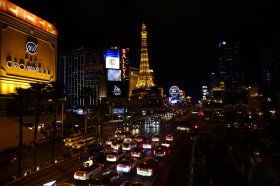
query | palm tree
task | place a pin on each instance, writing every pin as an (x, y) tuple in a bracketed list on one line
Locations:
[(55, 92), (21, 99), (99, 112), (87, 93), (38, 91)]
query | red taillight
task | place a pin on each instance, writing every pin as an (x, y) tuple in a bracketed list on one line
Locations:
[(150, 170), (138, 169), (154, 151), (196, 126)]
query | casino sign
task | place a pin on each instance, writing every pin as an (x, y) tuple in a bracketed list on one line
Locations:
[(174, 91)]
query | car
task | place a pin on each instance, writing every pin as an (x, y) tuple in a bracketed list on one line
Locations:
[(148, 166), (138, 152), (109, 141), (72, 142), (136, 126), (155, 138), (88, 169), (122, 133), (183, 128), (161, 151), (94, 153), (107, 178), (126, 164), (148, 144), (166, 143), (127, 146), (72, 137), (84, 142), (131, 183), (115, 156), (6, 158), (140, 139), (116, 145), (169, 137)]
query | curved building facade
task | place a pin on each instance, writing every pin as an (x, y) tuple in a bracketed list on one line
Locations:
[(28, 48)]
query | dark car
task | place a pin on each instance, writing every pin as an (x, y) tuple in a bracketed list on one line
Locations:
[(138, 152), (161, 151), (148, 166), (132, 183), (108, 177), (7, 158), (94, 153), (140, 139)]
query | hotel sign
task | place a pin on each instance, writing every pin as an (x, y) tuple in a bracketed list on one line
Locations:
[(31, 48), (30, 62)]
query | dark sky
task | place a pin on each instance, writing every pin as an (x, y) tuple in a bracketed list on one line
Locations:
[(182, 35)]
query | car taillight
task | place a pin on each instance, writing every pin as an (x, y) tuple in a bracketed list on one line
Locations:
[(84, 174), (138, 169), (154, 151), (150, 170)]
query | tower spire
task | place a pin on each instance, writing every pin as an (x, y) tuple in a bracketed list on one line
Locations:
[(145, 79)]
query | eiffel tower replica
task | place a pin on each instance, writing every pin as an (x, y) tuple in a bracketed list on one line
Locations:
[(145, 87), (145, 79)]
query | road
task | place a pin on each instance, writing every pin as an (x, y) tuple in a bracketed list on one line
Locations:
[(175, 169)]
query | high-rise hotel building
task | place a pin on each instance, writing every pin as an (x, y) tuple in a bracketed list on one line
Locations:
[(82, 67), (228, 64)]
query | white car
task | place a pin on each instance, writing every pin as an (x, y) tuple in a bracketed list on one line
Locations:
[(169, 137), (156, 138), (115, 156), (184, 128), (87, 170), (127, 164), (84, 142)]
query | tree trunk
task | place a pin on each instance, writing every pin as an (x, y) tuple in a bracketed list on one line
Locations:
[(35, 135), (54, 131), (20, 140)]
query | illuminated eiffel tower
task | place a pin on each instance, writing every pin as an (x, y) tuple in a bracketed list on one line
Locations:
[(145, 79)]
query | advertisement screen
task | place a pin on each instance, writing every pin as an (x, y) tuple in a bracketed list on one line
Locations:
[(117, 89), (118, 110), (114, 75), (112, 59)]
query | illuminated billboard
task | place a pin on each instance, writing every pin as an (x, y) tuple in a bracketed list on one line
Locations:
[(114, 75), (112, 60), (117, 89), (174, 91)]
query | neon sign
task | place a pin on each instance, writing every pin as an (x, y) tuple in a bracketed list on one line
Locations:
[(123, 64)]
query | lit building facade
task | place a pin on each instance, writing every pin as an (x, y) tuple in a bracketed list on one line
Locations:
[(28, 49), (228, 64), (28, 54), (82, 68), (133, 77)]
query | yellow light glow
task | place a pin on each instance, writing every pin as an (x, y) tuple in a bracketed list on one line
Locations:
[(15, 11)]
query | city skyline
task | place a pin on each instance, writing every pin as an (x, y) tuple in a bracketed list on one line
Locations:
[(183, 37)]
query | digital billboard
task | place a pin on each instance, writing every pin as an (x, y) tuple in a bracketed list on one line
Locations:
[(112, 59), (117, 89), (114, 75)]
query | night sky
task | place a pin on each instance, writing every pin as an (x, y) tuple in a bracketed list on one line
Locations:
[(182, 35)]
